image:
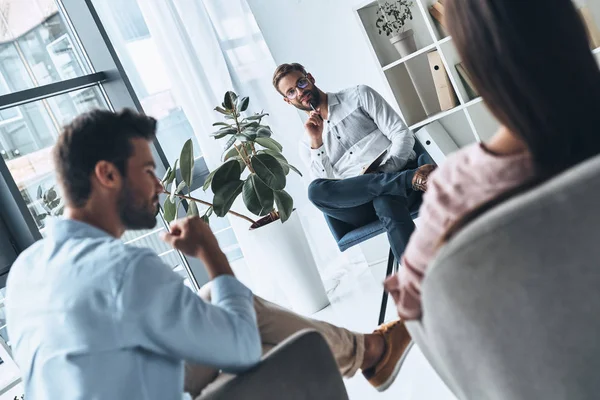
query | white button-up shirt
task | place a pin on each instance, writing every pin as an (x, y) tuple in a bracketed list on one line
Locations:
[(360, 126)]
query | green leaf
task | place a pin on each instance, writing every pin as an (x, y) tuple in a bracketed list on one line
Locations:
[(225, 196), (209, 211), (181, 186), (221, 133), (229, 101), (269, 143), (264, 132), (167, 174), (285, 204), (206, 219), (228, 172), (222, 111), (269, 170), (172, 175), (256, 117), (294, 169), (231, 153), (250, 125), (40, 192), (51, 195), (258, 197), (208, 180), (192, 209), (234, 152), (249, 135), (170, 210), (243, 104), (223, 124), (279, 157), (187, 162), (173, 191), (229, 143)]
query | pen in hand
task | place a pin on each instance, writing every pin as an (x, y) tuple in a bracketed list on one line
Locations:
[(315, 110)]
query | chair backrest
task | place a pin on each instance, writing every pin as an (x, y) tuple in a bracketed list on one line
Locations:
[(511, 306)]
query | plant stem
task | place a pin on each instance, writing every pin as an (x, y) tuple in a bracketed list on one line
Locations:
[(181, 196), (239, 129), (246, 160)]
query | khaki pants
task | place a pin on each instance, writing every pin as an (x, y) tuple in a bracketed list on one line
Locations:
[(275, 324)]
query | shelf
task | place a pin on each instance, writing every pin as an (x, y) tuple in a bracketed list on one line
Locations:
[(435, 117), (445, 40), (410, 57), (474, 101), (443, 114)]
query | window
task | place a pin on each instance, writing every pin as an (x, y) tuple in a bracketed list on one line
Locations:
[(150, 79), (37, 46), (46, 80)]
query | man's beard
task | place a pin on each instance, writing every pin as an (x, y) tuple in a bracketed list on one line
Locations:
[(135, 216), (315, 100)]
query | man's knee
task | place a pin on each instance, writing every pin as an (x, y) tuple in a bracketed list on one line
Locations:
[(390, 206), (317, 191)]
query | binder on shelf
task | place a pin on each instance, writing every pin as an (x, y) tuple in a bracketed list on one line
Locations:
[(443, 87), (436, 141), (438, 14), (466, 80), (418, 71), (591, 27)]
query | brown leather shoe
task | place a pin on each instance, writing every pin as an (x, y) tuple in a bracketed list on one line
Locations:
[(419, 180), (397, 343)]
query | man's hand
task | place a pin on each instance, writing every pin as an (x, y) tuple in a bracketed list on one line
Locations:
[(314, 129), (193, 237)]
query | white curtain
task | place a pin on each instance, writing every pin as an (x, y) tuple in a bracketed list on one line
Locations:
[(212, 46)]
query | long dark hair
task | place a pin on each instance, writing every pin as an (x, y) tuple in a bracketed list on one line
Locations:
[(532, 64)]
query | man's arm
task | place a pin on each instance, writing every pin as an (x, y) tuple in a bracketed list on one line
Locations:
[(391, 125), (162, 315), (316, 161), (313, 152)]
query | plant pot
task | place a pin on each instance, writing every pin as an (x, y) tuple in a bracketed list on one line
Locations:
[(404, 43), (282, 250)]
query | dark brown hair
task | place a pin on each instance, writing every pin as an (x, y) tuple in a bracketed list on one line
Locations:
[(95, 136), (285, 69), (532, 63)]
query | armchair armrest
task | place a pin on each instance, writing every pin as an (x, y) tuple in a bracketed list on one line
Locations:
[(300, 368)]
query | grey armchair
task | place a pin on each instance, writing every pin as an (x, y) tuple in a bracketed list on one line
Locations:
[(300, 368), (511, 306)]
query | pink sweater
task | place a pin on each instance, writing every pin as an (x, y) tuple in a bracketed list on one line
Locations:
[(468, 178)]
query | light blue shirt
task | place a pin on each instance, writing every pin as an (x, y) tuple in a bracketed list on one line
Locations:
[(92, 318)]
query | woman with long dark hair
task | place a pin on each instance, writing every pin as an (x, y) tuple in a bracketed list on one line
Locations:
[(531, 63)]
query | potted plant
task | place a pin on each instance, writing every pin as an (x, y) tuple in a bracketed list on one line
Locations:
[(253, 167), (392, 17)]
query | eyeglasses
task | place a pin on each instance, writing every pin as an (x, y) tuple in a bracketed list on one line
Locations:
[(301, 84)]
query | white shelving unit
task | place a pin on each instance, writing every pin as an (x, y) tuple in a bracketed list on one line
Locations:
[(410, 81)]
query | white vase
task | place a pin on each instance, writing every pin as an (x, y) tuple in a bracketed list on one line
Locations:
[(404, 43), (281, 251)]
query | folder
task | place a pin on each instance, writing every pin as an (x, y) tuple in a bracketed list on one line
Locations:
[(591, 27), (443, 87), (436, 141)]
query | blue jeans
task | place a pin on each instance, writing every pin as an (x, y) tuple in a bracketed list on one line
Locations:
[(363, 199)]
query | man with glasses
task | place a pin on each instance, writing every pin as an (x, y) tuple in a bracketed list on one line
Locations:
[(345, 132)]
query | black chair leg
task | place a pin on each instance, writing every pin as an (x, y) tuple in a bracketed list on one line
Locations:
[(390, 269)]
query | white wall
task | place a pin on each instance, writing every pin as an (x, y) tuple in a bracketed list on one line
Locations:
[(323, 35), (326, 37)]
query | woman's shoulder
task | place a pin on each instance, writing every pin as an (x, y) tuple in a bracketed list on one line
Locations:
[(474, 165)]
